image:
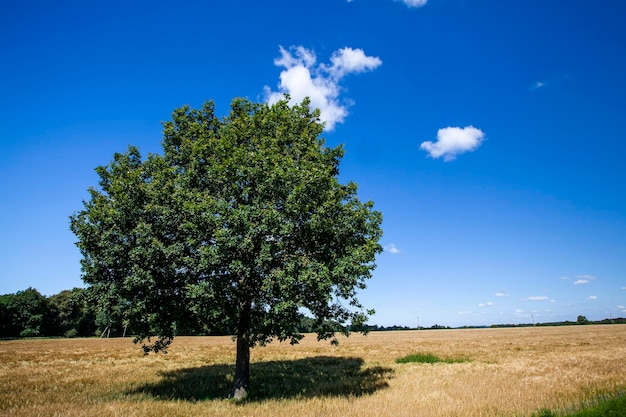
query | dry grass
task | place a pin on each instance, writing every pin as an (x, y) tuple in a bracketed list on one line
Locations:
[(513, 372)]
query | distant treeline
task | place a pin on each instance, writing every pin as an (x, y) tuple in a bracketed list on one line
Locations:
[(618, 320), (71, 313), (29, 314), (377, 328)]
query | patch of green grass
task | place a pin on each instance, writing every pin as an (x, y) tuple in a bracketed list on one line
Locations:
[(429, 358), (612, 407)]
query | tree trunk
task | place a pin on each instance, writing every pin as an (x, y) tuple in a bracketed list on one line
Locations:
[(242, 363)]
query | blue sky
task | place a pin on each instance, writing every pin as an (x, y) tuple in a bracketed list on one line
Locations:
[(490, 134)]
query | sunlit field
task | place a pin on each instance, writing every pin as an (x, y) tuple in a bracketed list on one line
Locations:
[(485, 372)]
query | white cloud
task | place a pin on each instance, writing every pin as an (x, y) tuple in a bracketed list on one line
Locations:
[(538, 85), (348, 60), (592, 297), (302, 56), (586, 276), (564, 278), (621, 307), (623, 288), (549, 81), (519, 311), (537, 298), (453, 141), (391, 248), (501, 294), (584, 279), (303, 77), (414, 3), (487, 304)]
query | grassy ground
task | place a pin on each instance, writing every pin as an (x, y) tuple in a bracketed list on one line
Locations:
[(428, 357), (507, 372), (613, 406)]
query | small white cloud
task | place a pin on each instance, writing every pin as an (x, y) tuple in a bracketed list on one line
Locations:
[(347, 61), (453, 141), (414, 3), (564, 278), (518, 311), (586, 276), (302, 77), (549, 81), (501, 294), (623, 288), (581, 281), (592, 297), (391, 248), (621, 307), (487, 304), (537, 85), (538, 298)]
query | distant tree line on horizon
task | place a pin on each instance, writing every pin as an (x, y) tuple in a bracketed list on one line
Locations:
[(28, 313), (71, 313)]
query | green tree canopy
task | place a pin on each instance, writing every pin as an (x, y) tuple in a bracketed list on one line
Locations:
[(73, 314), (25, 314), (241, 222)]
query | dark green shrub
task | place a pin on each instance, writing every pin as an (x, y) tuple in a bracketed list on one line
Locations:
[(429, 358)]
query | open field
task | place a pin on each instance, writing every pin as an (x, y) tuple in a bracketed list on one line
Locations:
[(512, 372)]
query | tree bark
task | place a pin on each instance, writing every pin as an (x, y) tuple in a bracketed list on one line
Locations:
[(242, 363)]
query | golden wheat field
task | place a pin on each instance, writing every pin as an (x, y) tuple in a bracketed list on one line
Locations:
[(512, 372)]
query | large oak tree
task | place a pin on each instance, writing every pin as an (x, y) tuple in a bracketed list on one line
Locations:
[(242, 221)]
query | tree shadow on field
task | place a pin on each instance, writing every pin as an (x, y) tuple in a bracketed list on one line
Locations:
[(321, 376)]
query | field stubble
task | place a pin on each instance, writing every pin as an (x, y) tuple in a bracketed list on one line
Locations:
[(512, 372)]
